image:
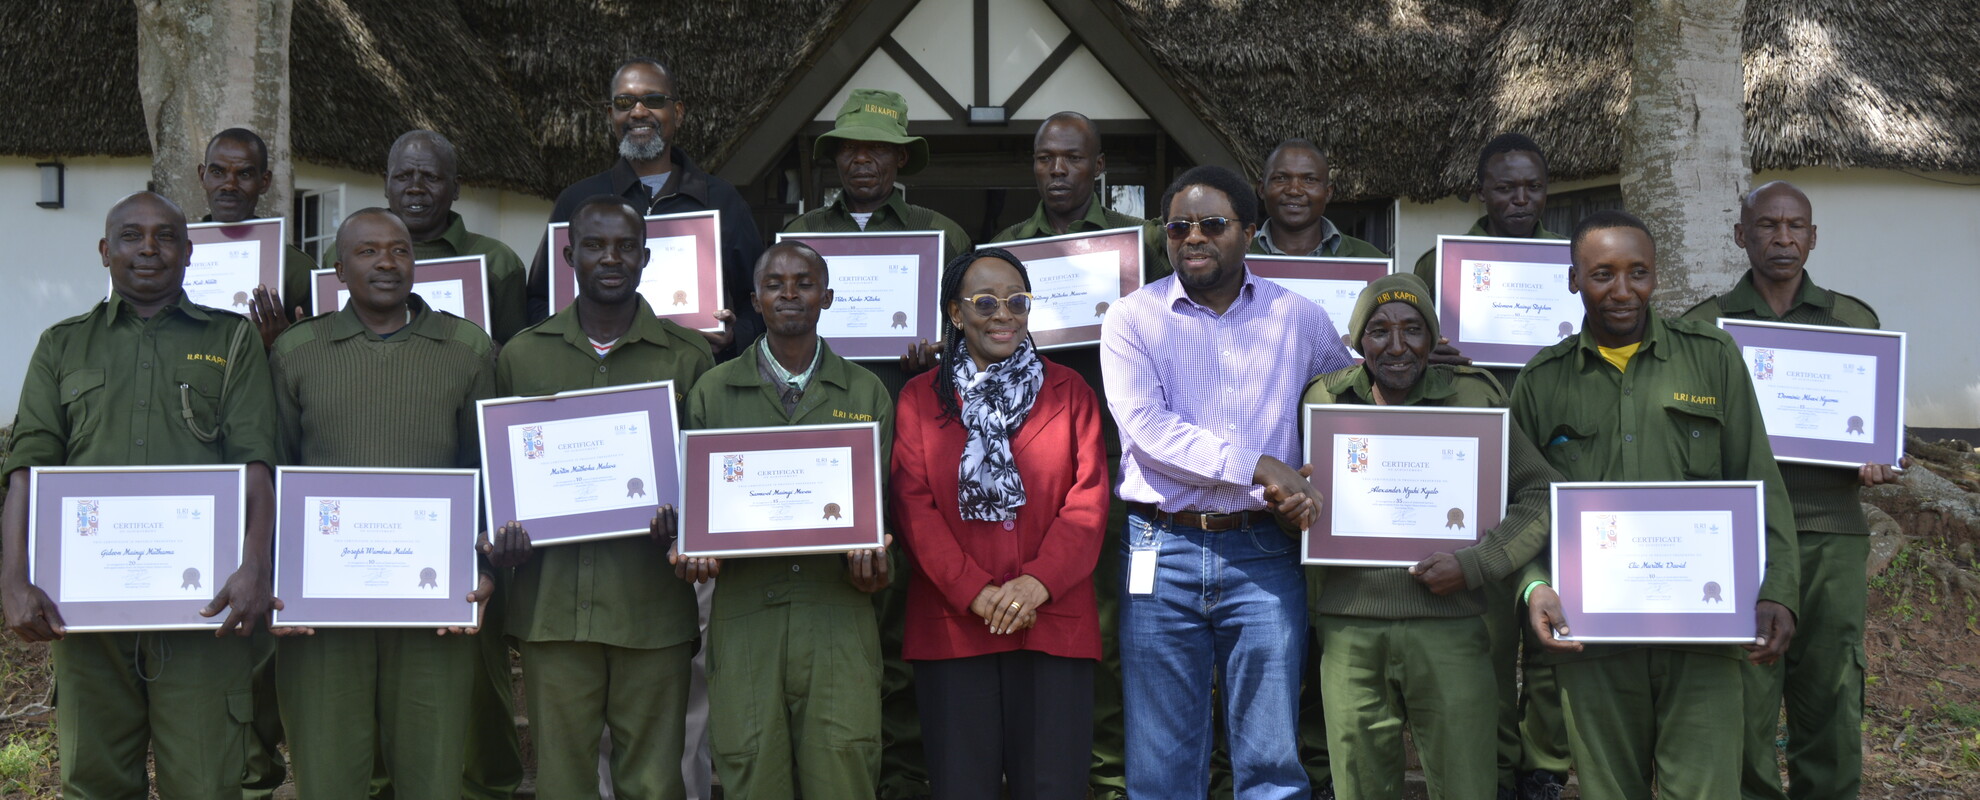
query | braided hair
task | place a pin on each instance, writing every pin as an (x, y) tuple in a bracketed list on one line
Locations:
[(946, 391)]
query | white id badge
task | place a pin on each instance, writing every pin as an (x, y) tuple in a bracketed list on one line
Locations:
[(1141, 571)]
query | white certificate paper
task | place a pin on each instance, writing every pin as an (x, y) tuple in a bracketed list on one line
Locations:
[(578, 466), (671, 281), (1414, 487), (1655, 562), (780, 490), (1337, 297), (390, 548), (1814, 395), (447, 295), (138, 548), (1513, 302), (873, 296), (223, 275), (1074, 290)]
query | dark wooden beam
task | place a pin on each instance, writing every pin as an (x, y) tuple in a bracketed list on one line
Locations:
[(812, 87), (927, 82), (1130, 63), (1037, 77), (983, 54)]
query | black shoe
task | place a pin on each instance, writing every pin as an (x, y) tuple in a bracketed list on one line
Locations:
[(1540, 785)]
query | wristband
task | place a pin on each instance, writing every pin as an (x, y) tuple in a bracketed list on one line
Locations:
[(1527, 595)]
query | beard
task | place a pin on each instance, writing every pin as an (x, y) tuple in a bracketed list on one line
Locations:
[(1205, 280), (631, 151)]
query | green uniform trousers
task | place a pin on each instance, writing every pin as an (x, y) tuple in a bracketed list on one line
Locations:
[(577, 689), (1107, 776), (184, 694), (903, 770), (796, 687), (1532, 733), (1821, 679), (1433, 675), (494, 756), (265, 768), (1639, 717), (352, 696)]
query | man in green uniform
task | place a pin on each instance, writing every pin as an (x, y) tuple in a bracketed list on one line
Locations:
[(146, 377), (1065, 158), (794, 665), (1512, 183), (1822, 675), (347, 693), (606, 635), (422, 181), (1296, 188), (1637, 398), (1409, 645), (870, 146)]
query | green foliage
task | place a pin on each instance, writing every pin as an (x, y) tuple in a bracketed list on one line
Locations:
[(25, 764)]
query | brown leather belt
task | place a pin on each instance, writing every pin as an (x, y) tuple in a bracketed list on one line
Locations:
[(1201, 520)]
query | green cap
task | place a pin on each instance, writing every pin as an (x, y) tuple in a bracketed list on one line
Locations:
[(873, 115), (1400, 287)]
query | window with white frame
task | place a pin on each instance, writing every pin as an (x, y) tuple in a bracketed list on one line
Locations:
[(317, 213)]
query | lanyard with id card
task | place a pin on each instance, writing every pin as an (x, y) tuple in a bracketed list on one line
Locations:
[(1142, 552)]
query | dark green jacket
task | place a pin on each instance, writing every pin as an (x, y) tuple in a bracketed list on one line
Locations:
[(618, 592), (1336, 245), (1154, 250), (1390, 592), (1426, 265), (735, 395), (894, 215), (1825, 498)]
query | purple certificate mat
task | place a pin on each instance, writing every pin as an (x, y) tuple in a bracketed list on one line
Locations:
[(1848, 442), (707, 457), (1452, 281), (630, 515), (894, 340), (432, 281), (1323, 423), (680, 286), (1081, 328), (441, 602), (1724, 616), (65, 496)]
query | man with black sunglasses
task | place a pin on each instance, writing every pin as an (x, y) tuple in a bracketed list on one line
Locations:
[(645, 111)]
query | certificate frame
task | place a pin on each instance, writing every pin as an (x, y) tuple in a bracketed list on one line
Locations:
[(1884, 442), (1452, 251), (704, 226), (471, 271), (867, 531), (498, 474), (225, 483), (447, 608), (1320, 422), (1745, 500), (929, 246), (1127, 241), (1288, 270), (271, 232)]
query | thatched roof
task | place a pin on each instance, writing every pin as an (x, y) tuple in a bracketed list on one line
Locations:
[(1403, 92)]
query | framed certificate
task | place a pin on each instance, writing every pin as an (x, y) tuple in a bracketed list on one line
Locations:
[(576, 466), (230, 259), (457, 285), (135, 548), (783, 490), (1500, 300), (884, 288), (683, 278), (1077, 277), (1403, 482), (1659, 562), (1332, 283), (1831, 396), (375, 548)]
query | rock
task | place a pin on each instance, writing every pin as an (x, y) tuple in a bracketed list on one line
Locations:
[(1928, 506), (1887, 539)]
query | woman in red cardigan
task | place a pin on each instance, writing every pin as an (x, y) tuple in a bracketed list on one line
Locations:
[(1000, 485)]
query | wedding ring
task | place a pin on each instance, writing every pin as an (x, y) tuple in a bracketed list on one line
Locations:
[(1017, 606)]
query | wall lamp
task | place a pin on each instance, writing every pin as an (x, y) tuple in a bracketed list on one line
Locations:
[(51, 184)]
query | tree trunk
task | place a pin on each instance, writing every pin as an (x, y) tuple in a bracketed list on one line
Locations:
[(1685, 159), (205, 66)]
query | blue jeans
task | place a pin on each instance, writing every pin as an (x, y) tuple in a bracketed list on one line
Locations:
[(1228, 612)]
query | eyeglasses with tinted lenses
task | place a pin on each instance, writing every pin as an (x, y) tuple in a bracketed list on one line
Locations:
[(1213, 227), (986, 304), (655, 101)]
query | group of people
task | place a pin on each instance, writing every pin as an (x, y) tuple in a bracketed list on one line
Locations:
[(1091, 585)]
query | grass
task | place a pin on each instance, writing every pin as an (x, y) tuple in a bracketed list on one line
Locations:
[(27, 762)]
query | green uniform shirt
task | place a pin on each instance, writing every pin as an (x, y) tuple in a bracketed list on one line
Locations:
[(108, 388), (1333, 244), (1426, 266), (618, 592), (1154, 250), (894, 215), (1684, 411), (1825, 498), (347, 397), (735, 395), (1391, 592), (508, 282)]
